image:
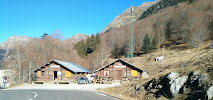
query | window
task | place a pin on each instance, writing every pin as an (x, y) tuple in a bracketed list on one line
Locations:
[(106, 73), (43, 73)]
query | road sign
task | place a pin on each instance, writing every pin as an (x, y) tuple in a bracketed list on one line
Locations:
[(4, 81)]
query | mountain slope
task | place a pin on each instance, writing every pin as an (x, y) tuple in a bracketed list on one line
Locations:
[(2, 53), (124, 18), (161, 5), (8, 45), (13, 40), (171, 26), (76, 38)]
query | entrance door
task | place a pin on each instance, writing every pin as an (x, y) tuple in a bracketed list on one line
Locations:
[(119, 75), (55, 75), (59, 76)]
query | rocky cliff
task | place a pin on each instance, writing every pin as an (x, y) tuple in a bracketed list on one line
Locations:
[(76, 38), (161, 5), (124, 18), (8, 45), (13, 40)]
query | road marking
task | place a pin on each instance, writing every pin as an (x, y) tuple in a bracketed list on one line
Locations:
[(35, 94), (101, 94)]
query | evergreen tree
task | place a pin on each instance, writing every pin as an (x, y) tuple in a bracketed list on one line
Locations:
[(146, 44), (84, 49), (87, 44), (91, 44), (191, 1), (44, 36), (98, 38), (81, 48), (89, 47), (154, 44)]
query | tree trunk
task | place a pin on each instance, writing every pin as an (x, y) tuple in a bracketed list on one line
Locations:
[(30, 66), (19, 65)]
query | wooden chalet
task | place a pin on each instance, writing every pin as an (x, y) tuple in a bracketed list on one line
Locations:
[(56, 70), (119, 70)]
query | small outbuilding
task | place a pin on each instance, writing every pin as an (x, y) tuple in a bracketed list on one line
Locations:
[(120, 70), (56, 70)]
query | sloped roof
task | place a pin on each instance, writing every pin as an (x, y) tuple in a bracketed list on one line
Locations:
[(124, 62), (71, 66)]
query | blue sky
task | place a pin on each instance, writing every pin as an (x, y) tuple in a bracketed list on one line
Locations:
[(34, 17)]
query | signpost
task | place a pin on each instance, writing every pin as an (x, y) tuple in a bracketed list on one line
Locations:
[(4, 81)]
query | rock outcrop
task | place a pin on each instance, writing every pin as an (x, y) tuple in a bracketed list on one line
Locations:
[(14, 40), (177, 84), (76, 38), (124, 18), (209, 93), (8, 45), (194, 86), (160, 6)]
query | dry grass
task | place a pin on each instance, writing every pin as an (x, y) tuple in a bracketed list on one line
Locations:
[(174, 62)]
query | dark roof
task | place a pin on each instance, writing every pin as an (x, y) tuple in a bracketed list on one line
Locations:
[(71, 66), (124, 62)]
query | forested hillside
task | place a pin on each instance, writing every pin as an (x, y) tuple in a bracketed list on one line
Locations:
[(190, 23), (161, 5), (25, 59)]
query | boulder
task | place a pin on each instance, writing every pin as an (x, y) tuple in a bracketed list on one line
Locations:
[(177, 84), (209, 93), (164, 85), (172, 76), (197, 80)]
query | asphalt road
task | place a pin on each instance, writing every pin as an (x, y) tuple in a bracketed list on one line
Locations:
[(52, 95)]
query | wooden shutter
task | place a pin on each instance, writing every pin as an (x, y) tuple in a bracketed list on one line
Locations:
[(67, 74), (110, 73), (134, 73), (102, 72), (84, 75), (38, 73)]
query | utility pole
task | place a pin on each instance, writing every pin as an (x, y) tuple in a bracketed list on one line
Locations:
[(131, 33), (30, 66)]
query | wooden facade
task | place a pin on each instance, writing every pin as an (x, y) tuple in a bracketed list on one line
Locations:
[(56, 71), (119, 70)]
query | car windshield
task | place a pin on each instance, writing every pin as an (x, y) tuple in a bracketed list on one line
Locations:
[(82, 78)]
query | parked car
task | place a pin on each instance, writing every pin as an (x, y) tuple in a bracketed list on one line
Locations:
[(83, 80)]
